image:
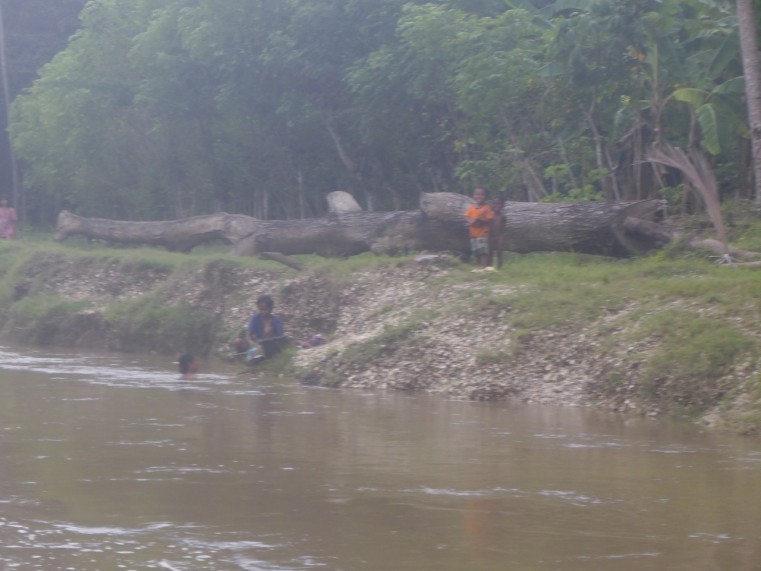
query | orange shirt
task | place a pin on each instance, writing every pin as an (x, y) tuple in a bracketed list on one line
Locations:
[(478, 219)]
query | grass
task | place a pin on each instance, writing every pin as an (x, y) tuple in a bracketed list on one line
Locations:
[(280, 364), (40, 318), (559, 288), (342, 268), (554, 289), (745, 418), (694, 321), (692, 357), (386, 342)]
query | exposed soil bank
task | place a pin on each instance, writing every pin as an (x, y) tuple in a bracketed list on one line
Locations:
[(429, 326)]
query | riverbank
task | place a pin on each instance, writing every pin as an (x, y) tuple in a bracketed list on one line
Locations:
[(654, 336)]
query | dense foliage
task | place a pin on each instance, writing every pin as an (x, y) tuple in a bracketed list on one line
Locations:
[(170, 108), (33, 31)]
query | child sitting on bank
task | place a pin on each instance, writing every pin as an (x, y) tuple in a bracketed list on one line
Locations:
[(264, 331)]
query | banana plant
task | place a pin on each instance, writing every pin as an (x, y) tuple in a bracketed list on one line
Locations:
[(718, 113)]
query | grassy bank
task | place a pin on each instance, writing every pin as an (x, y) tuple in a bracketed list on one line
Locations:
[(94, 296), (666, 334)]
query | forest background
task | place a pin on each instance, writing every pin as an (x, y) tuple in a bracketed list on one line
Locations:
[(160, 109)]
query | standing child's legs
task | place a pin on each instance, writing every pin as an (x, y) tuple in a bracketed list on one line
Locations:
[(498, 250), (480, 249)]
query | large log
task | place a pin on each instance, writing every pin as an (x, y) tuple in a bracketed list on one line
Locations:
[(593, 228), (710, 246), (177, 235), (586, 227)]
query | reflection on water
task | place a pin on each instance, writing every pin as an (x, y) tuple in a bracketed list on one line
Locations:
[(110, 462)]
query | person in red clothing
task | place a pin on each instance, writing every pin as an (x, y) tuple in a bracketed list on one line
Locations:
[(479, 216), (8, 219)]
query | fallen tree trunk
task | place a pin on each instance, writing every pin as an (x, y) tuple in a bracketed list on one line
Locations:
[(665, 235), (586, 227), (177, 235), (591, 227)]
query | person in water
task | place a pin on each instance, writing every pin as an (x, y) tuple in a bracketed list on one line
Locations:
[(264, 329), (188, 366)]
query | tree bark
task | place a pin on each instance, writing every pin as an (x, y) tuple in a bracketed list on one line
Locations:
[(177, 235), (746, 19), (585, 227), (17, 199), (666, 235), (439, 225)]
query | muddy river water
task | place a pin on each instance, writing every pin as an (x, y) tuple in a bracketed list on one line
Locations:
[(112, 463)]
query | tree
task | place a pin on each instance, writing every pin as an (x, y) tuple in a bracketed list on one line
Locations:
[(6, 109), (77, 125), (752, 68), (31, 33), (159, 109)]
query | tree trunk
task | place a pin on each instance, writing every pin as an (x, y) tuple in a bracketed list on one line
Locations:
[(666, 235), (752, 70), (17, 199), (439, 224), (177, 235), (585, 227)]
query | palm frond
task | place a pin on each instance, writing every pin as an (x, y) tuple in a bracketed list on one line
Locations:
[(699, 174)]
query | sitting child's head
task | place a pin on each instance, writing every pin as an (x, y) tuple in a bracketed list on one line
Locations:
[(264, 303)]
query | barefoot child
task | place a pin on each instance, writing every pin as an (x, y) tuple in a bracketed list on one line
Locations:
[(479, 217), (497, 232)]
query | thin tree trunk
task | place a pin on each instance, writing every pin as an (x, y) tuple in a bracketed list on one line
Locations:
[(301, 190), (612, 174), (535, 189), (752, 69), (600, 153), (18, 200), (348, 163), (564, 156)]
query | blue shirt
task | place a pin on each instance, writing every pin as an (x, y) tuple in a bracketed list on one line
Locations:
[(256, 326)]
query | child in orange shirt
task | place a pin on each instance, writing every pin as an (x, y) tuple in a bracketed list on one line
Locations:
[(479, 216)]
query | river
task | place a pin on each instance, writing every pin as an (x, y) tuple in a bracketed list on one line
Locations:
[(113, 463)]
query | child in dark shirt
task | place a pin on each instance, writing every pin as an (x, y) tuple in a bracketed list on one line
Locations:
[(497, 231)]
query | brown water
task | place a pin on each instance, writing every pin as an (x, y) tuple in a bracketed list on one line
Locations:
[(112, 463)]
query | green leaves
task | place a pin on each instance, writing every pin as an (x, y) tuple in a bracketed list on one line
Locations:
[(719, 115), (167, 108)]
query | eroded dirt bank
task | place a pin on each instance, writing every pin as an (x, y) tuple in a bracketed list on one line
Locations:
[(403, 325)]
